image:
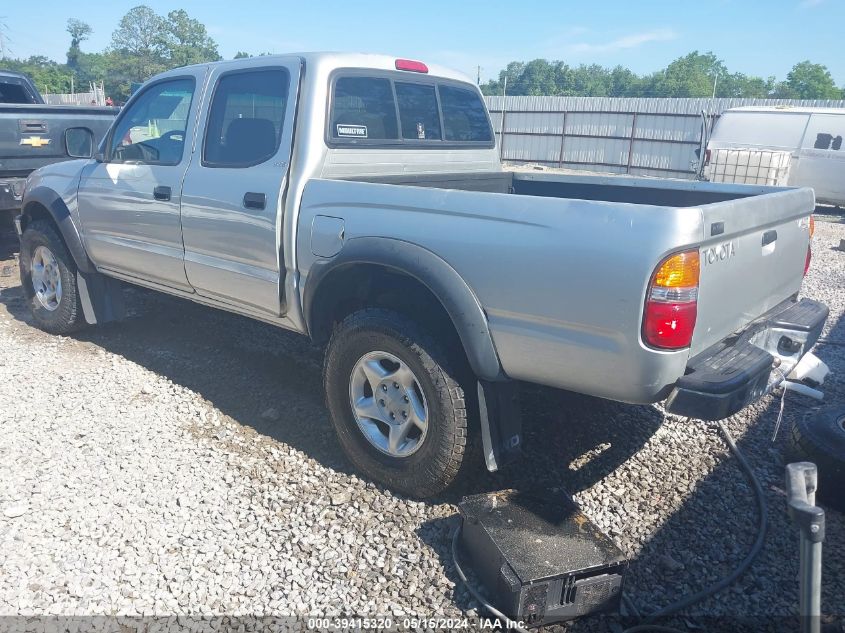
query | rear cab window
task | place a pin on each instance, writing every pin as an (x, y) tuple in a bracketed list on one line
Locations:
[(379, 109)]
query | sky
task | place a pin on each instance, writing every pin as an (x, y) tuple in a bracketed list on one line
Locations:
[(756, 37)]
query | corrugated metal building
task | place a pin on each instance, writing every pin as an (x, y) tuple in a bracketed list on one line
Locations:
[(652, 137)]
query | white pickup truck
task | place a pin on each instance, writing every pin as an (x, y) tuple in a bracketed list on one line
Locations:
[(359, 200)]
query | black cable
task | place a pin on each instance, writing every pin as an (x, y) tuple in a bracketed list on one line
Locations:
[(471, 589), (762, 510)]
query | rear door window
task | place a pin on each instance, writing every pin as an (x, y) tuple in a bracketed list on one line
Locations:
[(464, 115), (418, 111), (246, 117), (363, 109)]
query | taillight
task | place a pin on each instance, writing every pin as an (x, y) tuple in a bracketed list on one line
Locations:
[(671, 303), (410, 64), (707, 157), (809, 246)]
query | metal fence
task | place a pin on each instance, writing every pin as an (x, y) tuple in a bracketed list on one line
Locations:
[(95, 96), (649, 137)]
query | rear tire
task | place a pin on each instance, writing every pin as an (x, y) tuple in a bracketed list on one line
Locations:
[(389, 361), (819, 437), (48, 279)]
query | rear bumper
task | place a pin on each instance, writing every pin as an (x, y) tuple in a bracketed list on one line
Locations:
[(744, 367), (11, 193)]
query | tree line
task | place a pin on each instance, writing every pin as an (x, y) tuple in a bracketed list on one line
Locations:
[(693, 75), (145, 43)]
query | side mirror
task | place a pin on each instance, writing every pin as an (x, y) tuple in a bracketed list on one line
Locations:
[(79, 142)]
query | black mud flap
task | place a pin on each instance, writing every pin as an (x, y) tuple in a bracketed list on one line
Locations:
[(501, 423), (101, 298)]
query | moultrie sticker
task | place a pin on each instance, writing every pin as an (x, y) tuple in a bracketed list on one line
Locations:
[(352, 131)]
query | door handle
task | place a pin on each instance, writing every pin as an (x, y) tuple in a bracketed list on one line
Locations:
[(253, 200), (769, 237), (161, 193)]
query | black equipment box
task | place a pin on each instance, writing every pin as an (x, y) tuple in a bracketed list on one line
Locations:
[(540, 559)]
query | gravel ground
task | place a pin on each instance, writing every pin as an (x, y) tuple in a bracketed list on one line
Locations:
[(182, 463)]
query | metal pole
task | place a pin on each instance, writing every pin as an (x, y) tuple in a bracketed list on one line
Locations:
[(502, 129), (801, 482), (631, 145), (810, 598), (562, 141)]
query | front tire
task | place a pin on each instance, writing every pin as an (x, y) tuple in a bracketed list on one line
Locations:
[(48, 279), (395, 402)]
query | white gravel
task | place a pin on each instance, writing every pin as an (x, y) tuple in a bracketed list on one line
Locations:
[(182, 463)]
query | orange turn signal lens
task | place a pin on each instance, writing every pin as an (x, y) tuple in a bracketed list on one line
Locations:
[(812, 225), (681, 270)]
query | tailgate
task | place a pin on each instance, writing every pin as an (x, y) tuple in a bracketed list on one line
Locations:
[(752, 259), (32, 136)]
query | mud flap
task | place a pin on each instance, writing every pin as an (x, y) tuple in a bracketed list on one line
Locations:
[(501, 423), (101, 298)]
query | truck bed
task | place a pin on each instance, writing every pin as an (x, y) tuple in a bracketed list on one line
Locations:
[(560, 264), (663, 192)]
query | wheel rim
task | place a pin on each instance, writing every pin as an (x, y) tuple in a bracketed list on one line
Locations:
[(388, 404), (46, 278)]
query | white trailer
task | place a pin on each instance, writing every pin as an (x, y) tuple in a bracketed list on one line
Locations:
[(793, 146)]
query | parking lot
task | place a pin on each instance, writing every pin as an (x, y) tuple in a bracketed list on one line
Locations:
[(182, 461)]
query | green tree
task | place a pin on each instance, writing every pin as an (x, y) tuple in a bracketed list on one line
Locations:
[(137, 44), (692, 75), (79, 31), (241, 55), (590, 81), (47, 75), (623, 83), (807, 80), (186, 41)]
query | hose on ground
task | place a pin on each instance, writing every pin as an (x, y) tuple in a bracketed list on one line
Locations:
[(762, 526)]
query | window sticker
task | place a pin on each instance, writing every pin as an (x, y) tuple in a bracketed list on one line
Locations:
[(421, 131), (352, 131)]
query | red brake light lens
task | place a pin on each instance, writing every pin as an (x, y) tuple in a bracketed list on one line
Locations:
[(808, 260), (669, 325), (671, 305), (411, 65)]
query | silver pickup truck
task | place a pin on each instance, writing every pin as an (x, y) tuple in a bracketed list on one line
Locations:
[(359, 200)]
